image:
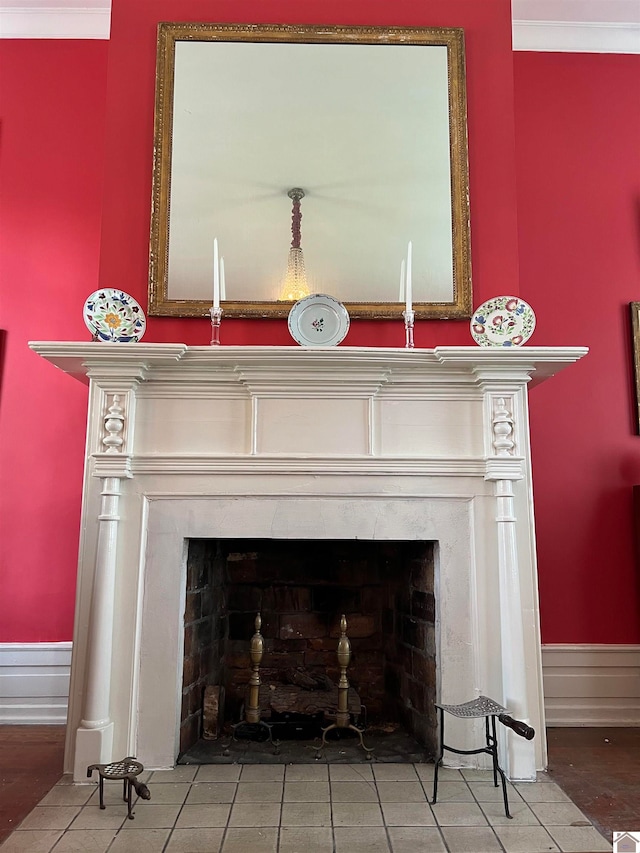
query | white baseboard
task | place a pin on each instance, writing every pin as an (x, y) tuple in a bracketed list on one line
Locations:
[(34, 683), (589, 685), (584, 685)]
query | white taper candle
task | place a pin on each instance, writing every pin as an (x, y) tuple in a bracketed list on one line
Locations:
[(216, 275), (408, 280)]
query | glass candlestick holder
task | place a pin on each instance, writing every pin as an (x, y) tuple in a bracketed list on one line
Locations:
[(216, 320), (409, 317)]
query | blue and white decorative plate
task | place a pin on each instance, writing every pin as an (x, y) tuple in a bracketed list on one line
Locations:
[(318, 321), (114, 316), (504, 321)]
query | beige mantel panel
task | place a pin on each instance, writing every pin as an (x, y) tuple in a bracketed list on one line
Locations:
[(324, 427), (447, 428), (214, 425)]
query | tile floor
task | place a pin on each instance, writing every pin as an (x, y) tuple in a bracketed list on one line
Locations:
[(308, 808)]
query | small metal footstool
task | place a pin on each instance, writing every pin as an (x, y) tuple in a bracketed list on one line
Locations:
[(487, 708), (127, 770)]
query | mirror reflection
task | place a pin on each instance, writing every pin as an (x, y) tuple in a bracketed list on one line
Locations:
[(327, 149)]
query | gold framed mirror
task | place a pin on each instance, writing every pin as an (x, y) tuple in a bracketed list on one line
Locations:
[(370, 123), (635, 343)]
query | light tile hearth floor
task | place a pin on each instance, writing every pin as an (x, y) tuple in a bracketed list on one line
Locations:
[(308, 808)]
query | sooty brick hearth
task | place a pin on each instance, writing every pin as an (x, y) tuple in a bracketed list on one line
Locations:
[(301, 588)]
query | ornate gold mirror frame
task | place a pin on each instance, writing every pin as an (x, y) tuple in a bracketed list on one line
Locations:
[(358, 214), (635, 342)]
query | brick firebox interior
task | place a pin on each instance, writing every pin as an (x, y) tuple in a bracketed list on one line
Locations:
[(301, 588)]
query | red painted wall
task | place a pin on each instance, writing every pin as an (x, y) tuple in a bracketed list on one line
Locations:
[(40, 541), (578, 158), (577, 130), (51, 162), (130, 100)]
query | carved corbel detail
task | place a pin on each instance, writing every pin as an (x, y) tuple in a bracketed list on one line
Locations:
[(503, 428), (114, 422)]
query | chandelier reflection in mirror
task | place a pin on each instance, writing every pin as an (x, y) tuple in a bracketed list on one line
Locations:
[(295, 285)]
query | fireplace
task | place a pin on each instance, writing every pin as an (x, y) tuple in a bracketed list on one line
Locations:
[(301, 588), (319, 446)]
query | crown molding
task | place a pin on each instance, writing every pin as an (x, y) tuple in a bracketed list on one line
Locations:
[(577, 36), (59, 22), (592, 26), (576, 26)]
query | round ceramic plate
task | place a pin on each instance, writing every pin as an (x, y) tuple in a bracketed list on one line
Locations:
[(318, 321), (114, 316), (504, 321)]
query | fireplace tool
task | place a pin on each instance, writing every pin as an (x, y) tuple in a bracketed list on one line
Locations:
[(127, 770), (253, 727), (490, 710), (343, 719)]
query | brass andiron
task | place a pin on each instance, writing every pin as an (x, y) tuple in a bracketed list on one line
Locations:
[(343, 719), (252, 725), (252, 714)]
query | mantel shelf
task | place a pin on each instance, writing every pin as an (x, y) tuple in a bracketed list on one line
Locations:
[(83, 360)]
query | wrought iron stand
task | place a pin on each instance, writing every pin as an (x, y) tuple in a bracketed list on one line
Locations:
[(490, 710), (127, 770)]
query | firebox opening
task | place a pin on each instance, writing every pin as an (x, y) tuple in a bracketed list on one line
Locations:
[(301, 588)]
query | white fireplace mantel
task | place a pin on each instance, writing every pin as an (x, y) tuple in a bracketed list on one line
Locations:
[(286, 442)]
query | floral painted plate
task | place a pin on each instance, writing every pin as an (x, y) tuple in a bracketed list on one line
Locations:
[(318, 321), (504, 321), (114, 316)]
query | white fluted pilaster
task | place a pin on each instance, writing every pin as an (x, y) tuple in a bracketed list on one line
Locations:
[(520, 759), (505, 468), (94, 736)]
